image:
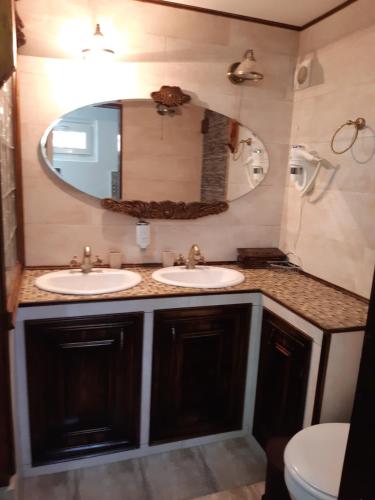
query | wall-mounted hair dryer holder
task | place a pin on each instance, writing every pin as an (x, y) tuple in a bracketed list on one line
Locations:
[(304, 168)]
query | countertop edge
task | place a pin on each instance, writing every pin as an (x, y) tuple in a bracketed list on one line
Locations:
[(204, 292)]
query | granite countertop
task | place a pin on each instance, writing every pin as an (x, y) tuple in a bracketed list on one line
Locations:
[(325, 306)]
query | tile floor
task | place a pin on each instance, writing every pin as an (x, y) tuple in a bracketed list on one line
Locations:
[(253, 492), (6, 494), (177, 475)]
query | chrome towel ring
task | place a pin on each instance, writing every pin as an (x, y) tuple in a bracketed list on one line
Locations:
[(359, 124)]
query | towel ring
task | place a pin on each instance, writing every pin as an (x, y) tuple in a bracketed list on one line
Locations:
[(359, 124)]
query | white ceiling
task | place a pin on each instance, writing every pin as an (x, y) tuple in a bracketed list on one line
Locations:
[(295, 12)]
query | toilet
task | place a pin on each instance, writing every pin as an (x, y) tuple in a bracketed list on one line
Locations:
[(313, 461)]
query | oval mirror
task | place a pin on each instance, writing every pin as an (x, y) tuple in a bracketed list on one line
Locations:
[(131, 150)]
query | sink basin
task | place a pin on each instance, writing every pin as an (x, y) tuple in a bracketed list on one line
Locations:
[(200, 277), (75, 282)]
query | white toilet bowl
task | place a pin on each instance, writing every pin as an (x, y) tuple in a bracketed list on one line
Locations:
[(313, 460)]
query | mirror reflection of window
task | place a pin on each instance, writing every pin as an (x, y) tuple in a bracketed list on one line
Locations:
[(85, 149), (75, 138), (69, 141)]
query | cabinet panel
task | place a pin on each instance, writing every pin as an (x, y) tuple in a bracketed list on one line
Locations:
[(282, 379), (199, 369), (84, 379)]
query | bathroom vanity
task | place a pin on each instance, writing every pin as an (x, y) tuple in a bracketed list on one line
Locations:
[(157, 367)]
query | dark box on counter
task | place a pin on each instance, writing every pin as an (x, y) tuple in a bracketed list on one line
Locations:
[(259, 257)]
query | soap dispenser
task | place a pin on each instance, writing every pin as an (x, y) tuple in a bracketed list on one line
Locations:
[(143, 234)]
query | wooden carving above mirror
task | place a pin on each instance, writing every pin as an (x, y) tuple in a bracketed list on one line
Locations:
[(150, 164), (165, 209), (170, 96)]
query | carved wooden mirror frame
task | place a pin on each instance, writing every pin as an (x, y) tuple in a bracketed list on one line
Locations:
[(165, 209), (170, 97)]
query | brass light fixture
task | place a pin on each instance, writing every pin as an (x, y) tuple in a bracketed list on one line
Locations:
[(97, 47), (243, 71)]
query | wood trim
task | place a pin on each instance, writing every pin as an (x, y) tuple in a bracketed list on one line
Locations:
[(357, 479), (164, 209), (7, 462), (12, 300), (7, 466), (109, 105), (7, 76), (6, 431), (223, 14), (252, 19), (12, 64), (327, 14), (18, 175), (322, 372), (20, 35)]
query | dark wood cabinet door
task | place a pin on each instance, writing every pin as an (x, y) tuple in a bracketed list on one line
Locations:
[(84, 377), (199, 369), (282, 379)]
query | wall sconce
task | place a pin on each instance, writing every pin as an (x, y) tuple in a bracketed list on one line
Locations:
[(97, 47), (243, 71)]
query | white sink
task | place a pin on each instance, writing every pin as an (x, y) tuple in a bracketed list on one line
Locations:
[(75, 282), (200, 277)]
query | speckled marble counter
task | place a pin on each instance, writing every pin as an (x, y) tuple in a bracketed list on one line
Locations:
[(323, 305)]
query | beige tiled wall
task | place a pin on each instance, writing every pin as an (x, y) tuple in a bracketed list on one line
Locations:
[(333, 230), (157, 45)]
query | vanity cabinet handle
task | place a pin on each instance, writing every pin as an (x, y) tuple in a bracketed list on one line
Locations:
[(122, 339), (173, 331)]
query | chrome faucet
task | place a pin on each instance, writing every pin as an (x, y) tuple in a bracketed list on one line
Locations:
[(195, 257), (86, 265)]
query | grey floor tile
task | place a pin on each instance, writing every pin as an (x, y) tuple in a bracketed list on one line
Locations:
[(118, 481), (6, 494), (60, 486), (177, 475), (234, 463)]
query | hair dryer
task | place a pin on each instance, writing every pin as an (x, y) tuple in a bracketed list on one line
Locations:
[(304, 168)]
